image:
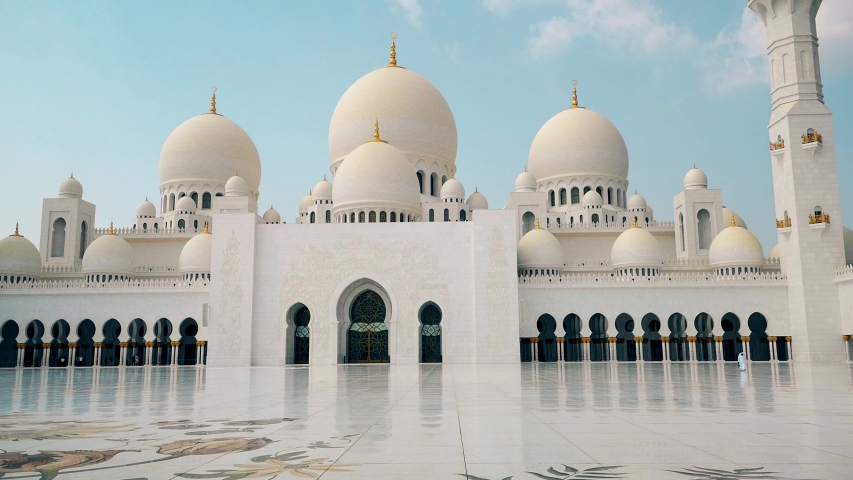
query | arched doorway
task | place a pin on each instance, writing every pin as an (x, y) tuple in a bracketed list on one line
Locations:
[(731, 337), (34, 346), (161, 353), (301, 336), (59, 344), (111, 346), (85, 354), (136, 345), (573, 341), (598, 351), (759, 349), (626, 346), (678, 347), (188, 350), (367, 337), (652, 344), (705, 351), (430, 318), (9, 344), (546, 347)]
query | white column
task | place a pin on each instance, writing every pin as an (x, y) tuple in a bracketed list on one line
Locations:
[(665, 351), (772, 346), (746, 351), (45, 355), (71, 355), (639, 347), (198, 356), (691, 347), (174, 354), (718, 346), (122, 353), (96, 352), (20, 359), (148, 359)]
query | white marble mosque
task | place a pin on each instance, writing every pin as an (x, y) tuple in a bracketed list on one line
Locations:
[(576, 267)]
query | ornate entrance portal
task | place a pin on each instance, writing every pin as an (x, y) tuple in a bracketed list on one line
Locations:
[(367, 338), (431, 334), (302, 336)]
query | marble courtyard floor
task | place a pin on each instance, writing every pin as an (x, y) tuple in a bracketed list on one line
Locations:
[(530, 421)]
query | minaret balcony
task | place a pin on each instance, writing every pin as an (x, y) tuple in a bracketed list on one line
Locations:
[(784, 225), (777, 149), (819, 221), (812, 141)]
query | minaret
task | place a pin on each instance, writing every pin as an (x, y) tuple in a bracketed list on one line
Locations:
[(805, 179)]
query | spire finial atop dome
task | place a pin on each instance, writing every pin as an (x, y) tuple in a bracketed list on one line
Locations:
[(376, 133), (324, 178), (213, 100), (733, 221), (111, 231), (393, 61), (635, 223), (72, 174), (16, 234), (207, 227), (574, 94), (537, 224)]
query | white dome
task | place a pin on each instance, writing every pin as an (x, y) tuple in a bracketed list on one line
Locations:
[(185, 204), (452, 188), (236, 186), (735, 247), (415, 117), (539, 248), (272, 216), (376, 174), (635, 247), (146, 209), (727, 218), (18, 256), (209, 148), (578, 142), (775, 252), (695, 178), (525, 182), (848, 245), (70, 188), (195, 256), (109, 254), (592, 199), (322, 191), (636, 202), (477, 201), (306, 202)]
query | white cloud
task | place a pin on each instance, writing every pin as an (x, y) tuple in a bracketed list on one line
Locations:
[(412, 9), (550, 36), (737, 57), (835, 33)]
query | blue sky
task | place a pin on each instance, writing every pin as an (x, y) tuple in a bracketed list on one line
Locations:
[(96, 87)]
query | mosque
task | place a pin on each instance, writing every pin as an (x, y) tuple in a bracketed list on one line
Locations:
[(573, 268)]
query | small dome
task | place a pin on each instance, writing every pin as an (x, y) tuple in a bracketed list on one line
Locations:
[(236, 187), (727, 218), (636, 202), (848, 245), (635, 247), (109, 254), (146, 209), (323, 190), (695, 178), (70, 188), (477, 201), (775, 252), (539, 248), (305, 203), (376, 174), (195, 256), (452, 188), (272, 216), (18, 256), (185, 204), (525, 182), (735, 247), (592, 199)]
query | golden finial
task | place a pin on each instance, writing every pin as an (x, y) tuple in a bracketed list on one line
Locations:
[(393, 62), (733, 221), (376, 133), (574, 94), (111, 231), (213, 100), (537, 223), (207, 228), (324, 178), (16, 234), (635, 223)]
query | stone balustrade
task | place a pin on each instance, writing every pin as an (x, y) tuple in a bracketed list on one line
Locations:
[(664, 278), (78, 284)]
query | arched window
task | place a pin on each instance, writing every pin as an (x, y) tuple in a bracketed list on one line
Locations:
[(181, 224), (552, 198), (156, 226), (618, 197), (818, 210), (586, 190), (205, 200), (580, 219), (219, 194), (194, 196), (562, 196), (383, 217), (352, 217), (57, 240), (704, 220), (313, 217), (558, 222), (576, 195), (595, 218), (195, 225), (462, 215), (393, 216), (431, 215), (610, 196), (360, 217), (421, 181), (433, 187), (144, 227), (171, 202), (446, 215), (681, 228), (443, 179), (528, 220), (84, 237), (328, 216), (599, 191)]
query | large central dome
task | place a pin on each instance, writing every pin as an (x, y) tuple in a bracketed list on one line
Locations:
[(415, 117)]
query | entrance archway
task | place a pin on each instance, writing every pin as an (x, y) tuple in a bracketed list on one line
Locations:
[(731, 337), (573, 341), (85, 354), (626, 345), (705, 350), (9, 344), (430, 318), (367, 336), (301, 335), (547, 345), (188, 350), (652, 344), (34, 347), (759, 349), (598, 351), (678, 346), (111, 346), (161, 353), (136, 345), (59, 344)]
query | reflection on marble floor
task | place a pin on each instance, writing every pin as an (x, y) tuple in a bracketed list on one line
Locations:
[(529, 421)]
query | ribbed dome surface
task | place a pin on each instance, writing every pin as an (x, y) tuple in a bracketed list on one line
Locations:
[(592, 199), (209, 148), (735, 247), (376, 174), (477, 201), (415, 117), (635, 247), (272, 216), (146, 209), (540, 249), (70, 188), (185, 204), (636, 202), (452, 188), (578, 142), (109, 254), (694, 179), (236, 186), (18, 256), (322, 191), (525, 182), (195, 256)]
